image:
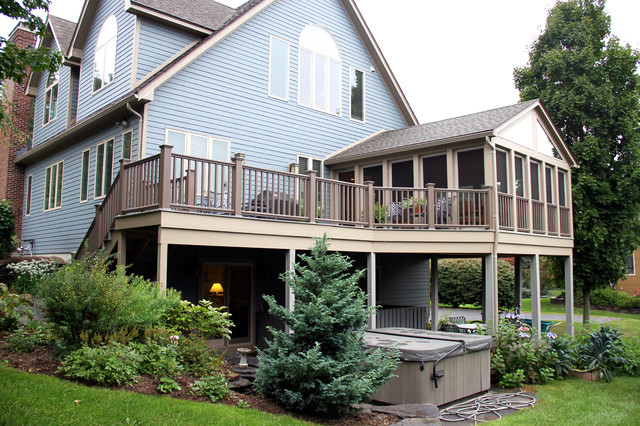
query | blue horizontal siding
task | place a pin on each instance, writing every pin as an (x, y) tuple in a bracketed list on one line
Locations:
[(90, 102), (62, 230), (156, 44), (42, 132), (224, 92)]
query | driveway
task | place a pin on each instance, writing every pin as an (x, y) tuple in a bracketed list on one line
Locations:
[(476, 314)]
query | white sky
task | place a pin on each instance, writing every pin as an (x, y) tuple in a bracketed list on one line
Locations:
[(450, 57)]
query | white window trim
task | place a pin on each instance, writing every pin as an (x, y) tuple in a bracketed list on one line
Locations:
[(286, 98), (313, 67), (29, 195), (59, 163), (98, 50), (210, 139), (130, 131), (364, 96), (81, 201), (633, 261), (49, 88), (310, 159), (104, 159)]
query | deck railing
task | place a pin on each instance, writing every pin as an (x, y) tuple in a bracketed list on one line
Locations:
[(505, 207), (181, 182)]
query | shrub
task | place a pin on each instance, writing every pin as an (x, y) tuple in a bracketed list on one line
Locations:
[(29, 273), (516, 358), (7, 226), (632, 354), (25, 338), (105, 365), (168, 385), (460, 282), (88, 297), (213, 386), (609, 297), (13, 307), (202, 319), (323, 365), (157, 358), (196, 357)]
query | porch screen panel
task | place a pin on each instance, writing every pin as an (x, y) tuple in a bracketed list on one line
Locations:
[(177, 140), (471, 169), (519, 176), (503, 176), (434, 170), (562, 196), (402, 174), (373, 173), (535, 181), (549, 184)]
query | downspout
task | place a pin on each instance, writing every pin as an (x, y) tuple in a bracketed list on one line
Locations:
[(140, 122), (496, 225)]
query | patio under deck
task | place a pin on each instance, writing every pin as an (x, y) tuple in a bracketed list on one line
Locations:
[(198, 202)]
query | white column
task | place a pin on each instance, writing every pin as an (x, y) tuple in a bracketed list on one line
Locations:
[(371, 287), (491, 292), (289, 297), (433, 292), (568, 292), (535, 293)]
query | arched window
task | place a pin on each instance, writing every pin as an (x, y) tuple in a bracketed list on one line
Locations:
[(105, 59), (319, 70)]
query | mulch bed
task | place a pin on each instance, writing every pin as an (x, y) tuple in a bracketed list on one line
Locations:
[(43, 361)]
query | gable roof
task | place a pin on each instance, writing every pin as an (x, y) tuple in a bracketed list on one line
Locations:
[(247, 11), (60, 31), (478, 125)]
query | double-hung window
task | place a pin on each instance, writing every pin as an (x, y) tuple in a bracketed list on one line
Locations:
[(319, 70), (104, 168), (84, 176), (27, 207), (279, 68), (104, 65), (53, 186), (310, 163), (356, 79), (127, 137), (51, 98)]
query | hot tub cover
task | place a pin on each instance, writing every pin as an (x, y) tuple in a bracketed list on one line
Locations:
[(425, 345)]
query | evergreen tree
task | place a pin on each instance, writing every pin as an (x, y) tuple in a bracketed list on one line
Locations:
[(322, 365), (588, 83)]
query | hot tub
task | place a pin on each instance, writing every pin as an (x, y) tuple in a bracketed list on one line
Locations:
[(461, 365)]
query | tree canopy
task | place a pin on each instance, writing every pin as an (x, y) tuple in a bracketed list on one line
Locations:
[(588, 82)]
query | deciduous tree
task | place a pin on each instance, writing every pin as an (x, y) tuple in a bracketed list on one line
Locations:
[(588, 82)]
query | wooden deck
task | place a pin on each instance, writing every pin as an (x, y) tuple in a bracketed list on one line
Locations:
[(176, 182)]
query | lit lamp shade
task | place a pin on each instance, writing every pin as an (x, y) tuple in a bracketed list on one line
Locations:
[(216, 288)]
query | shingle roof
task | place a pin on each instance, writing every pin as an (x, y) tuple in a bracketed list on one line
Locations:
[(206, 13), (424, 134), (63, 30)]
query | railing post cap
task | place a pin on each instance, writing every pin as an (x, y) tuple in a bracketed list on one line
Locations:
[(166, 146), (430, 184), (311, 172), (239, 156), (369, 182)]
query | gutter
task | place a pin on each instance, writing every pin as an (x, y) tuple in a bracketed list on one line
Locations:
[(87, 126)]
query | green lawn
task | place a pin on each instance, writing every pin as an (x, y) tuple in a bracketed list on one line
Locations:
[(576, 402), (30, 399), (629, 324)]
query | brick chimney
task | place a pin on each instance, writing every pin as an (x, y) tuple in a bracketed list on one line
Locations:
[(17, 135)]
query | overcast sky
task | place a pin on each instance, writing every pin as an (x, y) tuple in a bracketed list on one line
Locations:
[(450, 57)]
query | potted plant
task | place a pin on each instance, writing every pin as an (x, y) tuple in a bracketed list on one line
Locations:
[(599, 356)]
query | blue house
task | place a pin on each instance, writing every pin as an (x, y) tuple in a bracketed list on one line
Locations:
[(206, 145)]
